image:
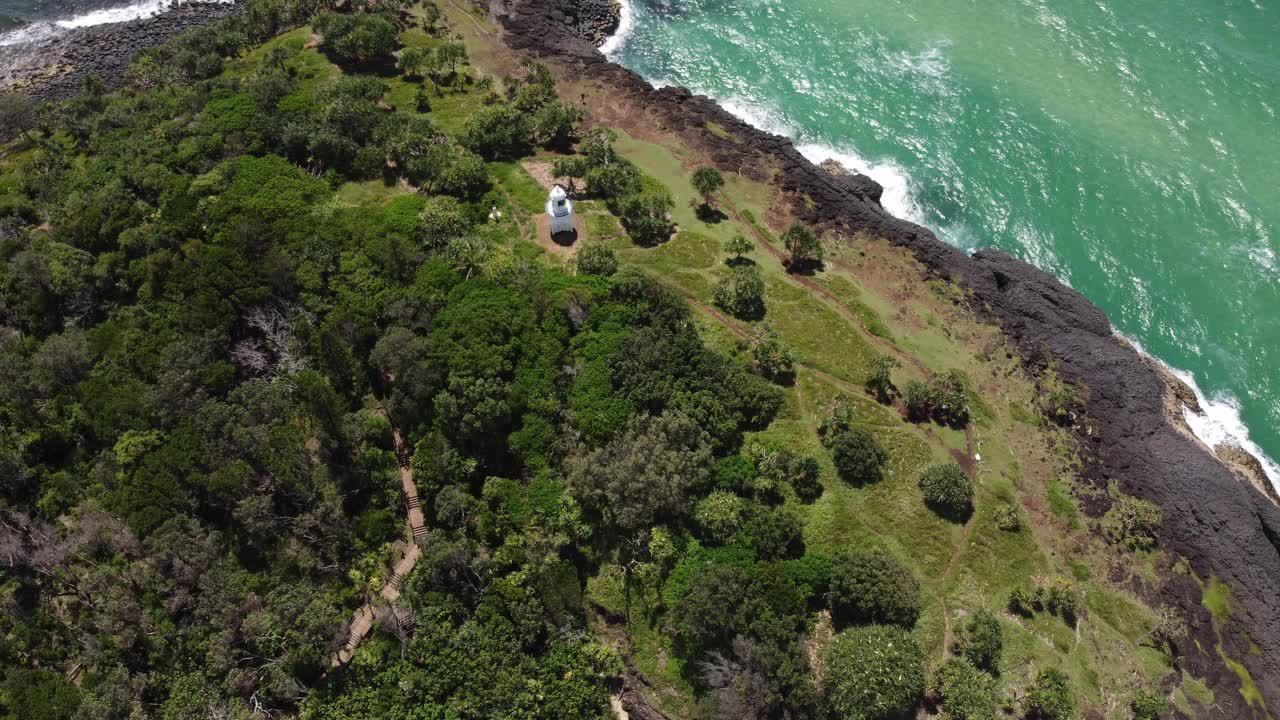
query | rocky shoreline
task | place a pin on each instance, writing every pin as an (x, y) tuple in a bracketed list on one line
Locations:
[(1224, 526), (55, 68)]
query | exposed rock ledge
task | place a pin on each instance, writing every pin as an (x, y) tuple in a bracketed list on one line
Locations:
[(1223, 527)]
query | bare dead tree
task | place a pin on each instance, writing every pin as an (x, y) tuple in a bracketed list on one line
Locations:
[(740, 691), (275, 351), (397, 622)]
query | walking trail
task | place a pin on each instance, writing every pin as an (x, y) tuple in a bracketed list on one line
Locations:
[(415, 529)]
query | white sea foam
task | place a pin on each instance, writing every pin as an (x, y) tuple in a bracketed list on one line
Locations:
[(1220, 423), (898, 197), (626, 22), (45, 29)]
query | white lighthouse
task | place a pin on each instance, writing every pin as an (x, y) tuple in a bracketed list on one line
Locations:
[(560, 211)]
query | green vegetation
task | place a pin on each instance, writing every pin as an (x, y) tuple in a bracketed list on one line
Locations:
[(1217, 598), (873, 587), (876, 673), (1133, 523), (225, 288), (947, 490), (1050, 697), (964, 691)]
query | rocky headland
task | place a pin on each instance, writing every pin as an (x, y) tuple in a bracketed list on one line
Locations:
[(1222, 524), (55, 68)]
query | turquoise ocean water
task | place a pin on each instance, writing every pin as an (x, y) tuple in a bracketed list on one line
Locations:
[(1132, 148)]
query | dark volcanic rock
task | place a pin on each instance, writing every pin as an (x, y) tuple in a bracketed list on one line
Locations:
[(1223, 526), (54, 69)]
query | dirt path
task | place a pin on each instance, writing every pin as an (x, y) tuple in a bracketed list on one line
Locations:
[(415, 529), (971, 469)]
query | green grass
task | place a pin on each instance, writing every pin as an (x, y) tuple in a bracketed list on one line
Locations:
[(530, 198), (1248, 688), (1060, 501), (367, 192), (1217, 599), (718, 130)]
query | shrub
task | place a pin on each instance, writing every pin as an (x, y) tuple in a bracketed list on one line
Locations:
[(803, 247), (719, 516), (1021, 603), (947, 490), (771, 358), (811, 573), (964, 691), (597, 259), (774, 533), (497, 131), (1009, 519), (1063, 601), (1147, 705), (1050, 697), (804, 476), (874, 673), (880, 381), (945, 398), (871, 586), (441, 219), (858, 457), (1133, 523), (741, 292), (357, 38), (981, 641), (645, 215)]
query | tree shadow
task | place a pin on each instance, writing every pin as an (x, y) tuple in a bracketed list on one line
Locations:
[(806, 267), (710, 215), (739, 261)]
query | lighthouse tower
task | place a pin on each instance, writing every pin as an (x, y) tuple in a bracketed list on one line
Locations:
[(560, 211)]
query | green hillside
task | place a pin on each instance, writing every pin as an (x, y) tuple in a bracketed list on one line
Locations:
[(657, 457)]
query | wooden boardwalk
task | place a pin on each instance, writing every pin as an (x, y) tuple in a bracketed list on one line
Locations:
[(415, 529)]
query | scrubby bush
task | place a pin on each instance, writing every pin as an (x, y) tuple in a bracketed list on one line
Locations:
[(804, 476), (811, 573), (597, 259), (774, 533), (858, 457), (358, 37), (1008, 519), (880, 381), (981, 640), (645, 215), (497, 132), (1133, 522), (873, 587), (947, 490), (1049, 698), (441, 219), (771, 358), (741, 292), (719, 516), (1147, 705), (1021, 603), (944, 398), (964, 691), (874, 673)]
